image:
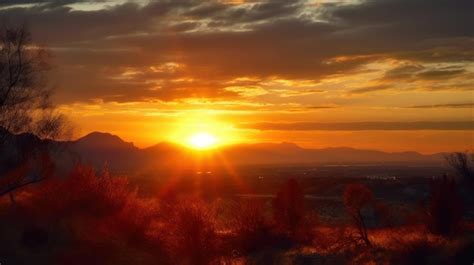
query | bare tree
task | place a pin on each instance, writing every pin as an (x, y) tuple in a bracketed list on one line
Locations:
[(25, 107), (25, 96)]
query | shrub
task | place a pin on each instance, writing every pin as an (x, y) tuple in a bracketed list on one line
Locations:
[(417, 252), (356, 198), (288, 209), (192, 237), (444, 207), (384, 214), (82, 194), (464, 254), (88, 211), (251, 228)]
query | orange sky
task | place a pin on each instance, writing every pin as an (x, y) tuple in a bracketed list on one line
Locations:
[(391, 75)]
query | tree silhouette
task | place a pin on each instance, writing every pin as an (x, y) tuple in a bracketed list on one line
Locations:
[(25, 96), (356, 198), (25, 107)]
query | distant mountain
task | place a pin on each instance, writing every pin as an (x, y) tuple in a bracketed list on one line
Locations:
[(287, 153), (103, 141), (99, 148)]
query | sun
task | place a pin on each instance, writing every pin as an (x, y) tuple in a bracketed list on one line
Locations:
[(202, 140)]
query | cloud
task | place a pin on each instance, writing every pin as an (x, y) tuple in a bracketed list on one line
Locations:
[(369, 89), (219, 41), (440, 74), (405, 71), (323, 107), (451, 105), (363, 126)]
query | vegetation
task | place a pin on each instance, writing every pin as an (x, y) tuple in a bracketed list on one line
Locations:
[(25, 95), (357, 197), (64, 220), (445, 207), (462, 166), (25, 108), (288, 211)]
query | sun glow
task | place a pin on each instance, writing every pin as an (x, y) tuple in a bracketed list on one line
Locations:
[(202, 130), (202, 140)]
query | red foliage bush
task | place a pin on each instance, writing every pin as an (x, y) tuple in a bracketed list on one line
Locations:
[(86, 211), (83, 193), (191, 234)]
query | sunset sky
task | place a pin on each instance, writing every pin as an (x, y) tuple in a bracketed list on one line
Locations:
[(392, 75)]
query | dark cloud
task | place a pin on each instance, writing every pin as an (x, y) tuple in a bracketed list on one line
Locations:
[(416, 72), (450, 105), (224, 13), (31, 2), (363, 126), (218, 41), (402, 72), (323, 107), (440, 74), (369, 89), (407, 19), (45, 4)]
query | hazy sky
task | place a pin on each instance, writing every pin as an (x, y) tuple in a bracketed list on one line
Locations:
[(387, 74)]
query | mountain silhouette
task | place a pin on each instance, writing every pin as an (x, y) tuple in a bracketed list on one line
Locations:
[(99, 148)]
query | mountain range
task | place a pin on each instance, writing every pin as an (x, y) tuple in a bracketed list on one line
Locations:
[(99, 148)]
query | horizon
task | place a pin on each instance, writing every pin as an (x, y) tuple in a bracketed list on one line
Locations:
[(223, 146)]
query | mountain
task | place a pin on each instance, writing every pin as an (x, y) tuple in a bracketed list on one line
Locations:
[(99, 148), (103, 141), (286, 153)]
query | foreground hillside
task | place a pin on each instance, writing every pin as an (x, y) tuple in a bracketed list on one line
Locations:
[(74, 203), (90, 217)]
